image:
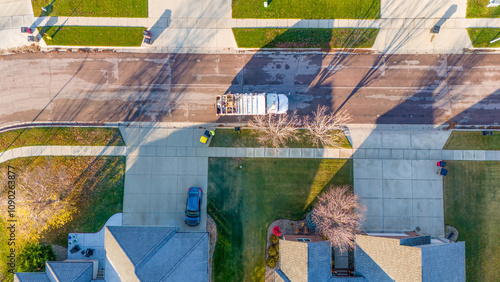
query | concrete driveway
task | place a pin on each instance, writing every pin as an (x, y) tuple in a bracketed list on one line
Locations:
[(396, 178), (161, 166)]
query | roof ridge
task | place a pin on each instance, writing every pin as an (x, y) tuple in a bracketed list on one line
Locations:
[(196, 244), (158, 245), (61, 262)]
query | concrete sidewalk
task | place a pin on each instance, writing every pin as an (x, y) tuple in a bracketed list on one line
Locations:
[(13, 15), (33, 151)]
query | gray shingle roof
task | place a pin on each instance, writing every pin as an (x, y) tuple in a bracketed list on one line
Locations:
[(70, 271), (139, 242), (183, 257), (444, 262), (32, 277), (161, 254), (319, 261)]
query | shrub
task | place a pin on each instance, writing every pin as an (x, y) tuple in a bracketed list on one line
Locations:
[(33, 257), (276, 231), (274, 239), (271, 251), (271, 262), (277, 248)]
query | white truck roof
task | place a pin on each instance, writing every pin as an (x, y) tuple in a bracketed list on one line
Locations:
[(251, 104)]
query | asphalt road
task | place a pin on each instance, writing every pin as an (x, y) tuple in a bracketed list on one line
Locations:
[(90, 87)]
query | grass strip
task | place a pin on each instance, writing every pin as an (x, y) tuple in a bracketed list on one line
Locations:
[(479, 9), (472, 205), (91, 8), (481, 37), (67, 136), (307, 9), (230, 138), (243, 202), (92, 35), (324, 38), (472, 140)]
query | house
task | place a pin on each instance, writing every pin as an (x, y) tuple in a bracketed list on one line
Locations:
[(137, 254), (377, 257), (388, 257)]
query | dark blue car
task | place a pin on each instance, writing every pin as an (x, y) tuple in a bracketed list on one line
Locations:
[(193, 206)]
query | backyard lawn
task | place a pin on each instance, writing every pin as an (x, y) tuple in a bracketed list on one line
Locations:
[(324, 38), (39, 136), (230, 138), (472, 140), (92, 8), (307, 9), (481, 37), (479, 9), (472, 205), (243, 202), (92, 35), (59, 195)]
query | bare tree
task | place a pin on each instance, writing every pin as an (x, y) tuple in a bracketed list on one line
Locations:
[(325, 128), (337, 214), (275, 130)]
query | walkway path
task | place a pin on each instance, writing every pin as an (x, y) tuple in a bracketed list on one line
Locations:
[(32, 151)]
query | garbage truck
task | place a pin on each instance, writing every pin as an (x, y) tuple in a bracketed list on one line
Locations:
[(251, 104)]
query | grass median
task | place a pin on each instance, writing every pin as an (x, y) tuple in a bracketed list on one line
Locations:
[(481, 37), (92, 8), (307, 9), (64, 136), (244, 202), (58, 195), (472, 140), (92, 36), (471, 204), (245, 138), (324, 38)]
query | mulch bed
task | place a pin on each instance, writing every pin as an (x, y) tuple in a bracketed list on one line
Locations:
[(286, 227), (212, 235)]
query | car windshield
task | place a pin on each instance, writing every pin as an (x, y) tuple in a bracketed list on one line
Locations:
[(192, 213)]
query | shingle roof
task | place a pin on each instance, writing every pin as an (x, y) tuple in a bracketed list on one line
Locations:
[(386, 259), (32, 277), (139, 242), (319, 261), (444, 262), (70, 270), (161, 254), (183, 257), (364, 265)]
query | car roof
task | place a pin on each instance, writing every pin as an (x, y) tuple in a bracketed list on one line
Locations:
[(193, 203)]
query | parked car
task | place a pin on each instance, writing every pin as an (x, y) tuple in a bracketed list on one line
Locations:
[(193, 206)]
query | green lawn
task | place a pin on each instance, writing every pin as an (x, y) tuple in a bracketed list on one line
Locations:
[(307, 9), (79, 195), (481, 37), (478, 9), (472, 140), (324, 38), (244, 202), (92, 8), (229, 138), (38, 136), (472, 205), (92, 35)]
